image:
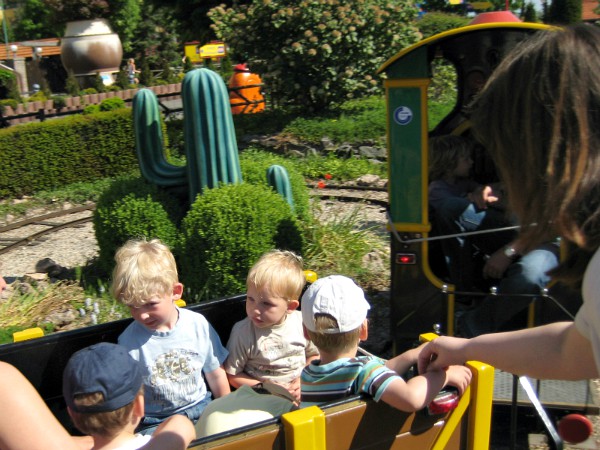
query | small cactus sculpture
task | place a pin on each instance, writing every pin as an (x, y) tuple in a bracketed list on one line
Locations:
[(210, 143), (279, 180)]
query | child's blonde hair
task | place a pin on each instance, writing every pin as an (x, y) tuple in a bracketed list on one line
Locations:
[(444, 153), (332, 342), (280, 270), (144, 269)]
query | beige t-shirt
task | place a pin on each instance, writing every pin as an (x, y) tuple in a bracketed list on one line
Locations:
[(276, 354)]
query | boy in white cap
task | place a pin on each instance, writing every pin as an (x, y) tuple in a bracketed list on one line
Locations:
[(334, 314), (102, 386)]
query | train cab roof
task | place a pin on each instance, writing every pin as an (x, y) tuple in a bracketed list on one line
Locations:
[(474, 50)]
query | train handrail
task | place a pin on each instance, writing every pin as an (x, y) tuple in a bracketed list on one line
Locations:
[(445, 236), (555, 442)]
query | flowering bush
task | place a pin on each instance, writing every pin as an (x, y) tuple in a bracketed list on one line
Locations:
[(317, 53)]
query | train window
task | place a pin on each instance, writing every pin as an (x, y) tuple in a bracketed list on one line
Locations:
[(442, 94)]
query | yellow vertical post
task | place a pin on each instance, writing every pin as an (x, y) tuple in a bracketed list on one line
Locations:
[(305, 429), (480, 409)]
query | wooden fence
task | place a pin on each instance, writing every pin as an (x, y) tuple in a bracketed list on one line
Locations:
[(40, 111)]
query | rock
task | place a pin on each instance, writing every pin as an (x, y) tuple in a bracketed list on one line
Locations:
[(369, 180), (35, 278), (61, 318)]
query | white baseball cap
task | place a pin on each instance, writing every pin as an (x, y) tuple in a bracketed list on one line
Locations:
[(337, 296)]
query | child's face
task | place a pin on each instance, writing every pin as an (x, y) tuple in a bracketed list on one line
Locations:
[(159, 312), (463, 166), (266, 310)]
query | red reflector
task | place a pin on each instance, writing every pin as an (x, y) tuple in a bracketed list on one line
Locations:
[(406, 258), (575, 428), (444, 402)]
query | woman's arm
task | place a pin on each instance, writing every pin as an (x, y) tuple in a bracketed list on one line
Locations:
[(26, 421), (556, 351)]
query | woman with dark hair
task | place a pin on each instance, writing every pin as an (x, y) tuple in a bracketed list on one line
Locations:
[(539, 116)]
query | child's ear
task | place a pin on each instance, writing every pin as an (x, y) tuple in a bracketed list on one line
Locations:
[(293, 305), (177, 291), (364, 331), (138, 409)]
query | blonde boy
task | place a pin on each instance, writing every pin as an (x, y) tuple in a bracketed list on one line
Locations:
[(175, 347), (102, 386), (269, 345), (334, 313)]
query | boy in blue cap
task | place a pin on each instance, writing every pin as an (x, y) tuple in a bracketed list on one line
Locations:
[(102, 386)]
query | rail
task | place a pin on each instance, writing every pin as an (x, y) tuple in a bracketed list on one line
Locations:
[(10, 243)]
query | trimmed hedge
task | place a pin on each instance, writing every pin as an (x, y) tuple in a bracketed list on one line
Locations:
[(226, 230), (133, 208), (51, 154)]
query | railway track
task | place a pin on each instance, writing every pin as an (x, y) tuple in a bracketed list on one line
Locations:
[(32, 229), (38, 228)]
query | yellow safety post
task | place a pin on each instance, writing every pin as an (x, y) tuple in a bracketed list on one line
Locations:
[(304, 429), (480, 410), (479, 397), (29, 333)]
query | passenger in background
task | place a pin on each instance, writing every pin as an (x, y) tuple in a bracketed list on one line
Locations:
[(102, 386), (334, 314), (461, 205), (269, 346), (176, 347), (538, 116)]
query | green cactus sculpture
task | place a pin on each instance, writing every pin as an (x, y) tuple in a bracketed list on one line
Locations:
[(279, 180), (149, 142), (210, 143)]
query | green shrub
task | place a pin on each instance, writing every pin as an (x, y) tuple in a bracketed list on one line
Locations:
[(226, 231), (435, 22), (112, 103), (122, 79), (8, 102), (89, 91), (91, 109), (39, 96), (9, 87), (60, 101), (55, 153), (72, 84), (98, 83), (317, 53), (254, 165), (132, 208)]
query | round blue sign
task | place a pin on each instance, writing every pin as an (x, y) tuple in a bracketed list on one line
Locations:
[(403, 115)]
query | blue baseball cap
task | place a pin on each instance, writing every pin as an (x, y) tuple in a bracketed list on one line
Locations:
[(106, 368)]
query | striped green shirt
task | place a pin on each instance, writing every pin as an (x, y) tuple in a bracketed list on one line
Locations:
[(344, 377)]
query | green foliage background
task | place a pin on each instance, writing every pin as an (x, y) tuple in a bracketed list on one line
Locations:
[(317, 53), (51, 154)]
